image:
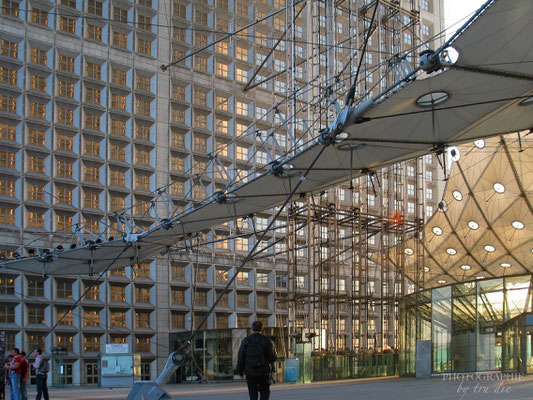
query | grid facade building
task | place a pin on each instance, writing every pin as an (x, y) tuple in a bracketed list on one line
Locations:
[(90, 124)]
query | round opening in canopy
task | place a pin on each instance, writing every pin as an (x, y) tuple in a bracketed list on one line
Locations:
[(432, 99)]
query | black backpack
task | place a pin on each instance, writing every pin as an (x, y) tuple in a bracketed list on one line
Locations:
[(255, 355), (44, 367)]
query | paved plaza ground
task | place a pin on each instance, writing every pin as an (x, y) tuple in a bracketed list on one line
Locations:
[(375, 389)]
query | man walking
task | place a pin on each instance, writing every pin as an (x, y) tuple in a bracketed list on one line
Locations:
[(41, 368), (255, 359)]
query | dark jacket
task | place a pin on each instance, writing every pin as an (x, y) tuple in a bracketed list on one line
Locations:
[(268, 350)]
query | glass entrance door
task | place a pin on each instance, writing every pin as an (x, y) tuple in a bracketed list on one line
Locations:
[(528, 347)]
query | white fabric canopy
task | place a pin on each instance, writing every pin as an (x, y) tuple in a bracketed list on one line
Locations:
[(485, 227), (485, 93)]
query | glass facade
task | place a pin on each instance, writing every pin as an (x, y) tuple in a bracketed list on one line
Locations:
[(474, 326), (215, 357), (214, 353)]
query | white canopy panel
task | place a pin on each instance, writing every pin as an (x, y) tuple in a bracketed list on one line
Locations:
[(483, 97)]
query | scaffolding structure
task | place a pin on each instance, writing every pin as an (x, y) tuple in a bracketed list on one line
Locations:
[(346, 267), (343, 282), (342, 285)]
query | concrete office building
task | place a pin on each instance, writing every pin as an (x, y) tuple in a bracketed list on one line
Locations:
[(91, 127)]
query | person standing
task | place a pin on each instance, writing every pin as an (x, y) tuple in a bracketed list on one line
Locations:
[(6, 372), (24, 375), (255, 360), (14, 373), (40, 366)]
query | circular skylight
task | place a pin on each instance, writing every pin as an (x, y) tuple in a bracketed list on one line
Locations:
[(351, 146), (451, 251), (437, 230), (479, 143), (517, 224), (441, 281), (409, 251), (455, 154), (498, 187), (466, 267), (505, 265), (457, 195), (473, 225), (432, 99), (489, 249)]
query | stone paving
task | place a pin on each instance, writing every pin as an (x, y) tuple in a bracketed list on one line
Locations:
[(463, 387)]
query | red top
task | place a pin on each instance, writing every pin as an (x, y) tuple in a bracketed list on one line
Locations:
[(18, 360), (23, 369)]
